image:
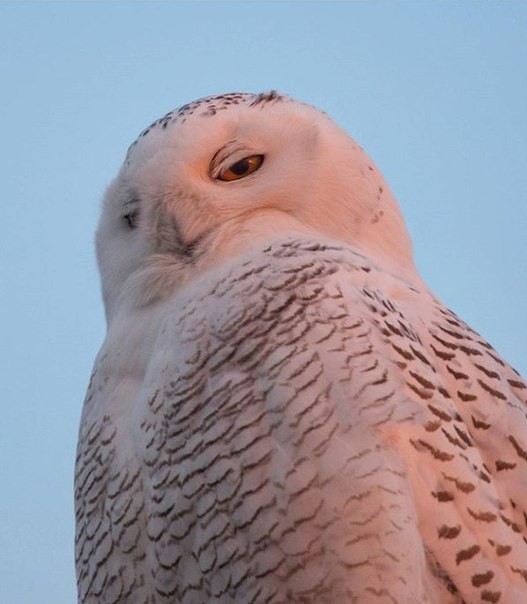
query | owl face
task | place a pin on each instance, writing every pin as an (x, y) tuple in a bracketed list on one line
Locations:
[(209, 181)]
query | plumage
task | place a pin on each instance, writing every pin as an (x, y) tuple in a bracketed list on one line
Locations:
[(282, 411)]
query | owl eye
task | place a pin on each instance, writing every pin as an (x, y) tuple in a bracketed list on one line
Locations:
[(241, 168), (131, 219)]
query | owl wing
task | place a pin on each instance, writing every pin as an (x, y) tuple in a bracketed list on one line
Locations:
[(311, 428)]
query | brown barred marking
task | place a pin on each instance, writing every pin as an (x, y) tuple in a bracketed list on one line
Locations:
[(504, 465), (491, 596), (464, 487), (436, 453), (459, 375), (443, 342), (517, 384), (448, 532), (519, 450), (443, 496), (440, 413), (423, 381), (408, 356), (488, 372), (482, 578), (480, 424), (444, 356), (464, 436), (503, 550), (493, 391), (483, 516), (466, 554), (466, 397), (424, 394)]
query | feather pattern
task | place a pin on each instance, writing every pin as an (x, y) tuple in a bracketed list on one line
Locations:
[(308, 428)]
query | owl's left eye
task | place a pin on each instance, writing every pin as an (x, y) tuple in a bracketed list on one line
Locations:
[(241, 168), (131, 219)]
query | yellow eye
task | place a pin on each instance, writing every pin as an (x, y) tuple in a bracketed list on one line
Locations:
[(241, 168)]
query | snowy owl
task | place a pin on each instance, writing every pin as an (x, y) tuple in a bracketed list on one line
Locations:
[(282, 411)]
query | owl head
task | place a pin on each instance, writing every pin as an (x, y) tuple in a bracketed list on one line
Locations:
[(213, 179)]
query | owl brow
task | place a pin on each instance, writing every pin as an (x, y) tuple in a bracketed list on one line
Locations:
[(131, 200)]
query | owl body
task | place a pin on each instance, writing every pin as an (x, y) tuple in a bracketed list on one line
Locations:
[(282, 411)]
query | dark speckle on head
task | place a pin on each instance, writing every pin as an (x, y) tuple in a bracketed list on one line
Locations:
[(266, 97), (209, 106)]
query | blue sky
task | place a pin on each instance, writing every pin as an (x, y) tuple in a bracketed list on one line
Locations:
[(435, 91)]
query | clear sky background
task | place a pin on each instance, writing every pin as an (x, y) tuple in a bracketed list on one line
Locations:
[(435, 91)]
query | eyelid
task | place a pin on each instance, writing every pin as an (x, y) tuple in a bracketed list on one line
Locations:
[(230, 153)]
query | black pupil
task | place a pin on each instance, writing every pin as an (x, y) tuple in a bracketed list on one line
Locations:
[(240, 167)]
